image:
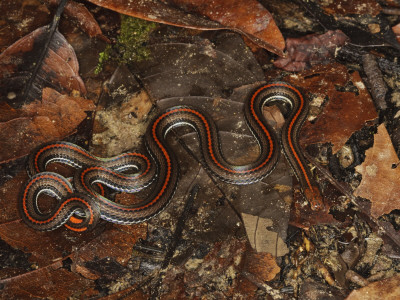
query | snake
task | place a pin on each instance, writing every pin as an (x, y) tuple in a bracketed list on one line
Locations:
[(80, 203)]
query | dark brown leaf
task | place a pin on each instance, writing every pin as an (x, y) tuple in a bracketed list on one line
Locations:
[(20, 17), (348, 7), (245, 16), (79, 14), (58, 71), (9, 198), (51, 282), (53, 118), (346, 111), (111, 243)]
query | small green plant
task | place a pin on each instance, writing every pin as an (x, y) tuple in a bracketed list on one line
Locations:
[(130, 45)]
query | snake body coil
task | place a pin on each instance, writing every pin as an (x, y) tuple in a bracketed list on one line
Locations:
[(160, 166)]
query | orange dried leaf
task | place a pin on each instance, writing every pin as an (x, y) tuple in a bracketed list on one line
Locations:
[(380, 181), (262, 265)]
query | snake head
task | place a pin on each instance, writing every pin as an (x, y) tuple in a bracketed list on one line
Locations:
[(314, 197)]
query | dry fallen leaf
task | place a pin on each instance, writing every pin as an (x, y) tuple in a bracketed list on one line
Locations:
[(262, 265), (349, 7), (59, 69), (346, 111), (248, 17), (302, 216), (113, 243), (82, 16), (262, 239), (54, 282), (396, 30), (9, 199), (310, 50), (388, 289), (53, 118), (380, 181)]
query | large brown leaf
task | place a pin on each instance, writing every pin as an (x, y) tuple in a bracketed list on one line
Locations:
[(59, 69), (346, 111), (53, 118), (245, 16), (380, 181)]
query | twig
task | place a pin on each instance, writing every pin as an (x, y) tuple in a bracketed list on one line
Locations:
[(52, 30), (385, 228), (375, 78), (177, 237), (391, 11), (274, 293), (340, 186)]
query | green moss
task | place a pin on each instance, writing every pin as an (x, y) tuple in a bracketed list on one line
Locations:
[(130, 45)]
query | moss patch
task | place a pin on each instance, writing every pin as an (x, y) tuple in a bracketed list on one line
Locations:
[(130, 45)]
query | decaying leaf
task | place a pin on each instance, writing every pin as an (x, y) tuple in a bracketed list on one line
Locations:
[(302, 216), (311, 50), (348, 7), (213, 277), (248, 17), (44, 248), (114, 243), (396, 30), (9, 199), (262, 265), (53, 118), (262, 239), (348, 109), (81, 15), (119, 122), (380, 181), (19, 18), (388, 289), (59, 69), (53, 282)]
